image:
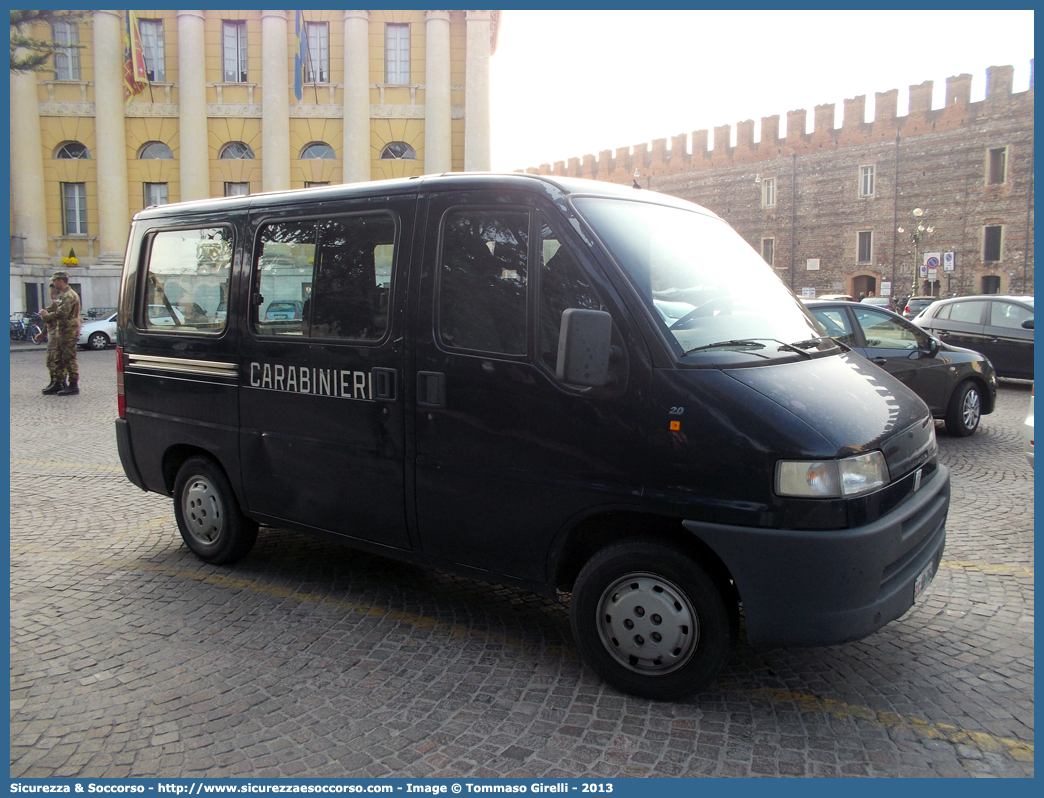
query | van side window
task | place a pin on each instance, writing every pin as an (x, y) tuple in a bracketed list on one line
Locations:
[(325, 279), (187, 281), (283, 279), (353, 278), (563, 285), (483, 280)]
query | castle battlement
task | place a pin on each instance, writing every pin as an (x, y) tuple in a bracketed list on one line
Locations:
[(689, 152)]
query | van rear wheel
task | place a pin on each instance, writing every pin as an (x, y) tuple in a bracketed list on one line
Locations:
[(208, 514), (651, 621)]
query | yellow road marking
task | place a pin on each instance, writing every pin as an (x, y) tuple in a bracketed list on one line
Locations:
[(93, 466), (410, 618), (1023, 752), (986, 568), (1020, 751), (983, 741)]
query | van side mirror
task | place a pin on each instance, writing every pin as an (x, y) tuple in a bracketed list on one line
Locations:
[(584, 347), (1028, 324)]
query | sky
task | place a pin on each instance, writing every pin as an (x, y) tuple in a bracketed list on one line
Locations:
[(567, 83)]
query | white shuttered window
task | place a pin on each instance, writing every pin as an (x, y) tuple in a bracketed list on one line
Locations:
[(66, 59), (317, 59), (74, 209), (397, 53), (234, 51), (152, 44)]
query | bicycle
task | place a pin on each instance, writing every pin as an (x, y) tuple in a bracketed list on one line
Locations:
[(27, 327)]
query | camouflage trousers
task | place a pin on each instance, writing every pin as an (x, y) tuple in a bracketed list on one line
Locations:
[(65, 366), (52, 354)]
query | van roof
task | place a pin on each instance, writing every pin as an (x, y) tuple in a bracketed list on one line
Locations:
[(455, 181)]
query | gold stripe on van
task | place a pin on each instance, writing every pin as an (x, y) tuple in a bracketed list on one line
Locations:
[(183, 365)]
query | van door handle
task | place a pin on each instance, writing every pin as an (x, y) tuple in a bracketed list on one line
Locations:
[(431, 389), (385, 384), (879, 360)]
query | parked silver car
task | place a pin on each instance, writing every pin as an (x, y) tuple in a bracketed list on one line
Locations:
[(98, 334)]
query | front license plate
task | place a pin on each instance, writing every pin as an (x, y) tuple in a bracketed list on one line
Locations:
[(924, 579)]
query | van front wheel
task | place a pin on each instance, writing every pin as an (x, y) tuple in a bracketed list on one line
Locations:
[(651, 621), (208, 514)]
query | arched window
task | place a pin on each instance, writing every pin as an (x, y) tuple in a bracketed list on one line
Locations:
[(319, 150), (398, 151), (155, 151), (72, 151), (236, 151)]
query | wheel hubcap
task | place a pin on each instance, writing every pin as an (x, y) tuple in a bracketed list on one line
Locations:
[(648, 624), (971, 410), (201, 507)]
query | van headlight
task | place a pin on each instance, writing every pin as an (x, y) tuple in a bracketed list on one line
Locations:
[(830, 479)]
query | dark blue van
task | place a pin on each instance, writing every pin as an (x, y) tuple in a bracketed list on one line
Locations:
[(569, 386)]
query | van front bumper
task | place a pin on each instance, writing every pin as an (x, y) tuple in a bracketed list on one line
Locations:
[(816, 588)]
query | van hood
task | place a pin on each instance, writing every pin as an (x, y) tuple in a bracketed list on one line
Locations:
[(853, 404)]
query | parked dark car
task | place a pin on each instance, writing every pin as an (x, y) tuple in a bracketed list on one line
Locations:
[(915, 304), (878, 301), (958, 385), (1001, 327)]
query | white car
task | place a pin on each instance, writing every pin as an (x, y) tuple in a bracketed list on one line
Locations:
[(1027, 432), (159, 316), (98, 334)]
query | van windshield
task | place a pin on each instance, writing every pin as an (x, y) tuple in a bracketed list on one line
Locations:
[(710, 290)]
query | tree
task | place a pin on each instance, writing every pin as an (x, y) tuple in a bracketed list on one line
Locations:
[(29, 54)]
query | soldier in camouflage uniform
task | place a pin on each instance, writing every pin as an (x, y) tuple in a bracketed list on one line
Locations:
[(51, 325), (67, 334)]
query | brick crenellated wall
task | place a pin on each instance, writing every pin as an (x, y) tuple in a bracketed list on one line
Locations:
[(934, 159)]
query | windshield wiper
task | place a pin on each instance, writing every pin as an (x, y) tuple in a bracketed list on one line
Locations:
[(808, 344), (755, 343), (800, 346), (747, 343)]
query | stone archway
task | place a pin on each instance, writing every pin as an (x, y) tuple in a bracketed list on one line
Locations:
[(864, 285)]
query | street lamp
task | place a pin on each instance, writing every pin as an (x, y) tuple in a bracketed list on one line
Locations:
[(919, 231)]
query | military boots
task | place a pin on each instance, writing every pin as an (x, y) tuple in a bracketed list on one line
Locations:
[(53, 388), (70, 389)]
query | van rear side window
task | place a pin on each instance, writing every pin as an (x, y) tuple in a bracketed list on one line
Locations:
[(186, 290), (327, 278)]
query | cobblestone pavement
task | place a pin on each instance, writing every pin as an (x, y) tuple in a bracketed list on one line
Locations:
[(130, 657)]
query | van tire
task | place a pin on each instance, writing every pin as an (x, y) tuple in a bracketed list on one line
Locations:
[(208, 514), (678, 624), (965, 410)]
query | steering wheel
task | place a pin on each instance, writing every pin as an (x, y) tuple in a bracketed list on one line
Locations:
[(703, 310)]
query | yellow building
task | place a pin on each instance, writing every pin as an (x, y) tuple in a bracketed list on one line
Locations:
[(229, 102)]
